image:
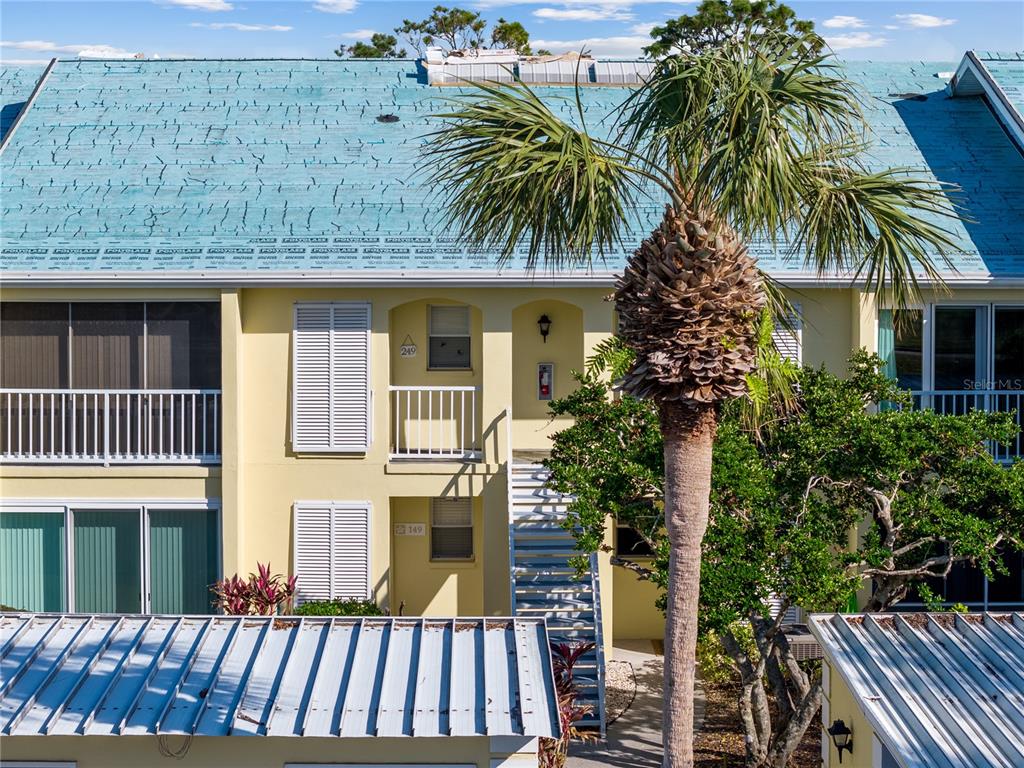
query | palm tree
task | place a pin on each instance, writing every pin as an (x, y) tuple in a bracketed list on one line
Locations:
[(749, 139)]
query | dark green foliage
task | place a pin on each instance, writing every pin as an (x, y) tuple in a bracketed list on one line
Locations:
[(339, 608), (381, 46), (511, 34), (719, 20), (922, 487), (451, 28)]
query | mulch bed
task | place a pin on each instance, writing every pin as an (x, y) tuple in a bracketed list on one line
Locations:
[(720, 742)]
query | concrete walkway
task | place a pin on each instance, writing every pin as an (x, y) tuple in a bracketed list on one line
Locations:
[(634, 740)]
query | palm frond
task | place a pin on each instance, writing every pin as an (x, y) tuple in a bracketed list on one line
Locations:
[(513, 173), (735, 123), (772, 392), (879, 227)]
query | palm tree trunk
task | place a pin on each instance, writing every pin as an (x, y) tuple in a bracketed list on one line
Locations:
[(689, 432)]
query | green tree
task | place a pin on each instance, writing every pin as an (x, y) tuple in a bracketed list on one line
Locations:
[(757, 138), (381, 46), (451, 28), (511, 34), (717, 21), (921, 487)]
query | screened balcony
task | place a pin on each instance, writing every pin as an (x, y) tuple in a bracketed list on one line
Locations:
[(105, 383)]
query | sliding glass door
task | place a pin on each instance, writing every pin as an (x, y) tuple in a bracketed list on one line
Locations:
[(183, 559), (118, 559), (108, 560), (33, 561)]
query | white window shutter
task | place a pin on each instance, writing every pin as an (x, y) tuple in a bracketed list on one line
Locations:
[(332, 550), (787, 336), (331, 377), (312, 560), (351, 551)]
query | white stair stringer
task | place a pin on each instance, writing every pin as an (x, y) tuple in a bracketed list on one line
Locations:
[(543, 583)]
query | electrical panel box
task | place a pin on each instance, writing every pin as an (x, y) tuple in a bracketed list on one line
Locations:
[(545, 381)]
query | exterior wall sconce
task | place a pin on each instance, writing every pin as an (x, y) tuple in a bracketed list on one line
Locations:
[(545, 327), (842, 737)]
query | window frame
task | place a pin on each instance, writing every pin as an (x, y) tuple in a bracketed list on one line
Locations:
[(468, 336), (143, 509), (471, 557), (929, 328)]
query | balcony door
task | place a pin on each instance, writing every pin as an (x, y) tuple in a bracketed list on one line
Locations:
[(955, 348), (121, 558)]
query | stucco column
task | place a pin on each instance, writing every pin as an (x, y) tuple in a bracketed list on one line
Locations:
[(864, 325), (496, 396), (231, 429)]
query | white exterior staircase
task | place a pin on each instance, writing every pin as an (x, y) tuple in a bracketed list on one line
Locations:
[(543, 583)]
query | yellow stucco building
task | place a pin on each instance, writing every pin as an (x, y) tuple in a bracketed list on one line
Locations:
[(236, 331)]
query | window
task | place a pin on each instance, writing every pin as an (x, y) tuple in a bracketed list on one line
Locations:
[(451, 529), (331, 377), (104, 345), (629, 543), (109, 559), (901, 346), (331, 542), (788, 336), (449, 337)]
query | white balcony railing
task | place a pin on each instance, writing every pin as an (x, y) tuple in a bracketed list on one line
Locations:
[(110, 426), (435, 423), (957, 402)]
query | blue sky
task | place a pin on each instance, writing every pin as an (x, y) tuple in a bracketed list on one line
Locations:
[(36, 30)]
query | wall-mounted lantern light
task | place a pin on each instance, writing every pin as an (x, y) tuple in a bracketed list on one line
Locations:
[(842, 737), (545, 327)]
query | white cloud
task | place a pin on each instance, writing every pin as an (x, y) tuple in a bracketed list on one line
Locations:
[(843, 22), (335, 6), (644, 28), (202, 5), (82, 50), (357, 34), (855, 40), (107, 52), (625, 46), (923, 20), (601, 13), (620, 5), (243, 27), (889, 26)]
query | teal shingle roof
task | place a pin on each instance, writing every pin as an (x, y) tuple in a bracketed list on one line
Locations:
[(16, 84), (1007, 69), (266, 166)]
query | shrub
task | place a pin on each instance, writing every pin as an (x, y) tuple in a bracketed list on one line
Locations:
[(349, 607), (262, 594), (716, 666), (553, 752)]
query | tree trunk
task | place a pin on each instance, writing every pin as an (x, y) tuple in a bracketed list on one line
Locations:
[(689, 432)]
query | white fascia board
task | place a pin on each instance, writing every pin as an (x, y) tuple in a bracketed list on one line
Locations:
[(185, 279), (972, 78)]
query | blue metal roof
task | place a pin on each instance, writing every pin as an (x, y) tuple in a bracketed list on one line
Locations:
[(282, 676), (940, 690), (223, 169)]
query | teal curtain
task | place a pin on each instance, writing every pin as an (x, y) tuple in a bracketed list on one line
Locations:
[(887, 341), (32, 575), (108, 561), (183, 547)]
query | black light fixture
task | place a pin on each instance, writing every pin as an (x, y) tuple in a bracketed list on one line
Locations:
[(842, 737), (545, 327)]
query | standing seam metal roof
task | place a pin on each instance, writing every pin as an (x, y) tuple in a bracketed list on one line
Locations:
[(281, 676), (940, 690)]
